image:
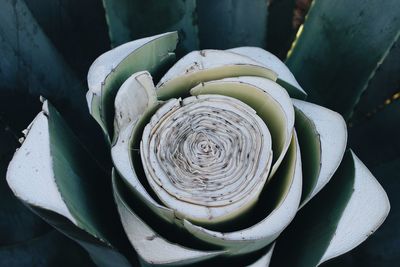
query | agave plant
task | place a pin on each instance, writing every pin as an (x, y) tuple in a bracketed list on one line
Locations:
[(161, 203), (211, 165)]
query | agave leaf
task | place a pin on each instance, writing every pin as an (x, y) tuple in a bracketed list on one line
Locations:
[(28, 72), (54, 174), (382, 89), (207, 65), (280, 31), (31, 67), (270, 61), (264, 232), (122, 156), (376, 138), (112, 68), (334, 56), (64, 22), (23, 69), (268, 99), (126, 158), (366, 219), (125, 151), (348, 210), (29, 188), (134, 97), (125, 147), (225, 23), (323, 138), (17, 222), (379, 249), (151, 247), (133, 19), (380, 245)]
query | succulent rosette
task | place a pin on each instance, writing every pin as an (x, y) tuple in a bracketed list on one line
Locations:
[(211, 164)]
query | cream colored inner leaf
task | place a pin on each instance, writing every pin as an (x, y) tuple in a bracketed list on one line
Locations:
[(206, 152)]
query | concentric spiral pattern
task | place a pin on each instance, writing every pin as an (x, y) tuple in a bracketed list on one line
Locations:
[(208, 150)]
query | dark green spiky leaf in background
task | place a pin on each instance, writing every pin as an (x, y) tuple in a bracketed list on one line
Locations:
[(31, 66), (133, 19), (227, 23), (381, 144), (77, 29), (340, 48), (280, 27), (284, 19), (382, 89), (201, 24), (30, 63)]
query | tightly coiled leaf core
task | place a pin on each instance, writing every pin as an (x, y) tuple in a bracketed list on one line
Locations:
[(210, 153)]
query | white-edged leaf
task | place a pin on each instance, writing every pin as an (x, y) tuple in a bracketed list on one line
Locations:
[(111, 69), (150, 246), (121, 154), (366, 210), (329, 128), (30, 174), (57, 178), (207, 65), (135, 96), (348, 210), (285, 77)]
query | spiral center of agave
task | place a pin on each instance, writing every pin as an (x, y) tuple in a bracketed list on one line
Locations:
[(208, 150)]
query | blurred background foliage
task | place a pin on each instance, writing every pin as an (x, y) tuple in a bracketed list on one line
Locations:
[(345, 54)]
